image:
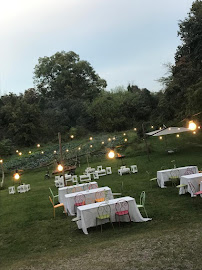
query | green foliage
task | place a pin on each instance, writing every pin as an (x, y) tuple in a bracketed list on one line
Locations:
[(64, 75), (6, 147)]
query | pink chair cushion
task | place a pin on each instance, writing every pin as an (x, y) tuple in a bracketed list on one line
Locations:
[(121, 213)]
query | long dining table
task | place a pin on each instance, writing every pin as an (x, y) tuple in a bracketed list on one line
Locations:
[(194, 179), (163, 175), (74, 188), (89, 198), (87, 214)]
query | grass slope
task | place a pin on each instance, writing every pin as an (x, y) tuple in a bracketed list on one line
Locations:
[(31, 239)]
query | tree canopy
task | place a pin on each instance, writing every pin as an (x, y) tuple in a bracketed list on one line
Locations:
[(64, 75)]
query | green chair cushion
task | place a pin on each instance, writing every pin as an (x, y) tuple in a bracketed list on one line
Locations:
[(103, 216)]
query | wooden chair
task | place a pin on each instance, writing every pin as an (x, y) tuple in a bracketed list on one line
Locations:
[(56, 206)]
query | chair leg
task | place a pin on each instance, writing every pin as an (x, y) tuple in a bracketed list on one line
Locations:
[(111, 223), (145, 212), (129, 217)]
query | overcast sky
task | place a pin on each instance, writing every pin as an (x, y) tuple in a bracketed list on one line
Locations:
[(126, 41)]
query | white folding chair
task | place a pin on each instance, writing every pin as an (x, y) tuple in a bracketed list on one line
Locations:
[(108, 170), (11, 190), (133, 168)]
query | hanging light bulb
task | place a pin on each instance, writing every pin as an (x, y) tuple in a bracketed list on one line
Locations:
[(111, 154), (60, 168), (192, 125), (16, 176)]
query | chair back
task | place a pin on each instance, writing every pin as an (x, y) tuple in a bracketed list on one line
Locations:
[(92, 186), (193, 190), (104, 210), (51, 201), (142, 198), (51, 192), (100, 195), (99, 168), (190, 171), (74, 178), (11, 190), (121, 206), (79, 198), (174, 174), (108, 170)]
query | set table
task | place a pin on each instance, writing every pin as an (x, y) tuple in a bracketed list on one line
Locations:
[(71, 189), (89, 198), (163, 175), (87, 213), (195, 179)]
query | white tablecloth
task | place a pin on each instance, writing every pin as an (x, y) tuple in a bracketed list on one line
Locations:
[(163, 176), (195, 179), (88, 213), (89, 198), (70, 189)]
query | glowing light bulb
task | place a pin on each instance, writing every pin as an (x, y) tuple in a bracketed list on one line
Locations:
[(160, 138), (111, 154), (38, 145), (192, 125), (16, 176), (60, 168)]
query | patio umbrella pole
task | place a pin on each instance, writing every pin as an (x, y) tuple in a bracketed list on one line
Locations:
[(61, 158)]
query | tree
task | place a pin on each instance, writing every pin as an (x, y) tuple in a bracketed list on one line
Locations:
[(64, 75)]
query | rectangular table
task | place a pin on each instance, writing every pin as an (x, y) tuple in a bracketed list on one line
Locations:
[(89, 198), (88, 213), (195, 179), (163, 176), (70, 189)]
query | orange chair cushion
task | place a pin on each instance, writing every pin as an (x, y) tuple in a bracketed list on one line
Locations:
[(100, 200)]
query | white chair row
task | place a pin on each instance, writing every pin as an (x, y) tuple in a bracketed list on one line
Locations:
[(20, 189), (59, 180)]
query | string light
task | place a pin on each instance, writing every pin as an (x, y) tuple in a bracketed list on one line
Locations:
[(67, 150), (54, 151), (135, 129), (20, 154), (30, 152), (72, 136), (125, 140), (38, 145), (194, 132), (103, 142), (91, 146), (42, 152), (160, 138), (177, 135), (16, 151), (79, 148), (124, 134), (1, 160), (152, 126), (90, 138), (109, 139)]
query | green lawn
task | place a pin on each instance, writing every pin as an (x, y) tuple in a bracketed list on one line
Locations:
[(31, 239)]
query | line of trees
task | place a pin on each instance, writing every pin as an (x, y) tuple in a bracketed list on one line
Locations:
[(69, 94)]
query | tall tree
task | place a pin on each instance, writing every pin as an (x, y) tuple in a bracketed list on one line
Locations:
[(64, 75)]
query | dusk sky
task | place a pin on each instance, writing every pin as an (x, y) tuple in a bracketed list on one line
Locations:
[(126, 41)]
